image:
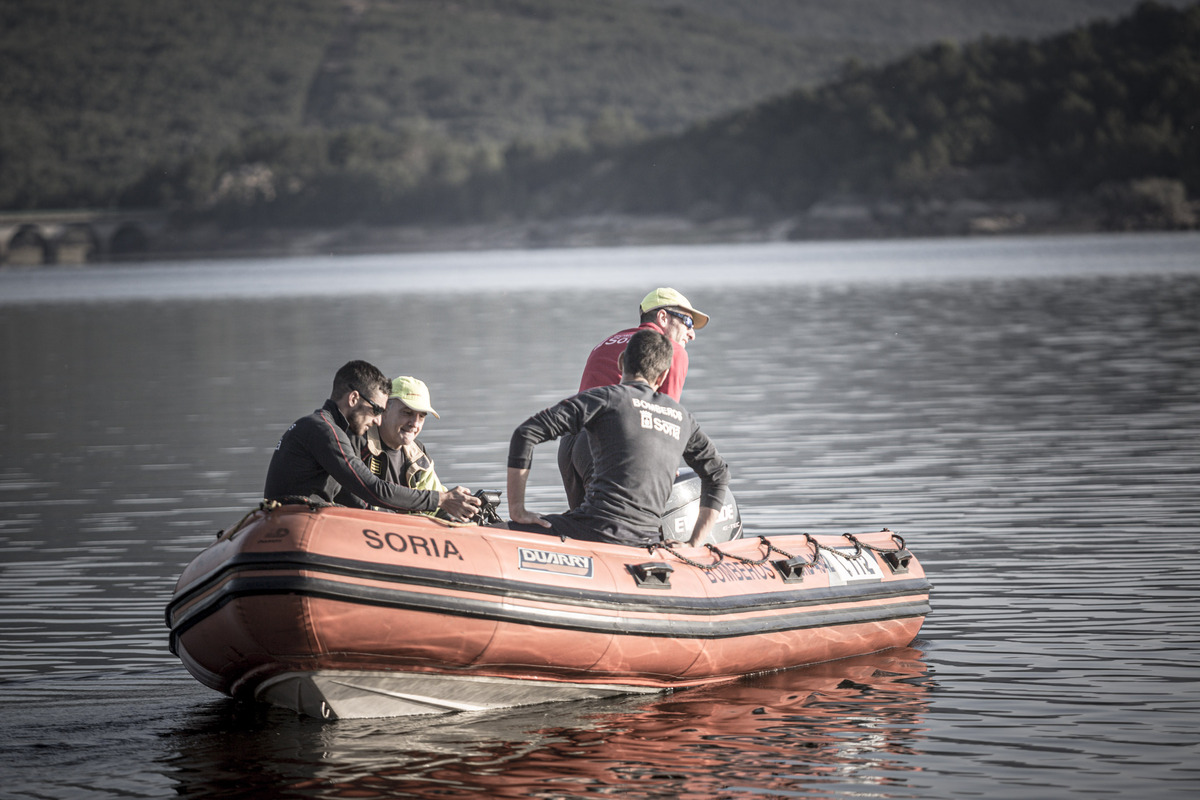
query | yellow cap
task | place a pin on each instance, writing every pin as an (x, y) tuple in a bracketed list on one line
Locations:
[(669, 298), (413, 393)]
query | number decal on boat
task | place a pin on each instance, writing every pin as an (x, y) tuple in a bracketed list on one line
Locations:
[(851, 570)]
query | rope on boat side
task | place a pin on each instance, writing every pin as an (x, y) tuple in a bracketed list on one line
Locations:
[(669, 546), (898, 558), (897, 538), (859, 547), (816, 546), (267, 506), (771, 548), (241, 523), (750, 562), (312, 501), (722, 555)]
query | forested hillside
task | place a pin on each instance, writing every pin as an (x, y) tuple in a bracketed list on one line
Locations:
[(95, 96), (1102, 120), (186, 104), (1107, 115)]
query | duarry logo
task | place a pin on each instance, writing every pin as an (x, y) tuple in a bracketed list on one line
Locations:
[(560, 563)]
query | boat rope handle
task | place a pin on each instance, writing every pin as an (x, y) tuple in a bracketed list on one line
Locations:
[(267, 506), (722, 555), (312, 501), (670, 548), (897, 538), (859, 547), (750, 562), (817, 548), (771, 548), (241, 523)]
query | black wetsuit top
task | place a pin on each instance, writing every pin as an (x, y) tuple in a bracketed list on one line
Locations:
[(315, 458), (638, 436)]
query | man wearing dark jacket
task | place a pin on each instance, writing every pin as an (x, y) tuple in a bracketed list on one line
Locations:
[(638, 436), (315, 459)]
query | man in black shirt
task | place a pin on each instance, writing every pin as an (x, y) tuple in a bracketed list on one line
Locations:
[(638, 436), (315, 459)]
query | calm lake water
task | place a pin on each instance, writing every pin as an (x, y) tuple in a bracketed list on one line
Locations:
[(1026, 412)]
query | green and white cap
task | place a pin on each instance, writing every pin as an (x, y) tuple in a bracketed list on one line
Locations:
[(413, 393), (669, 298)]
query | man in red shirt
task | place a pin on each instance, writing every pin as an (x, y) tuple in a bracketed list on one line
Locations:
[(663, 310)]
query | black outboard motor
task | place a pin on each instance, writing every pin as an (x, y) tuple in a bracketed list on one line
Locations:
[(683, 506)]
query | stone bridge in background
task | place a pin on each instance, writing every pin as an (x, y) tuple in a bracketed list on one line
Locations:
[(76, 237)]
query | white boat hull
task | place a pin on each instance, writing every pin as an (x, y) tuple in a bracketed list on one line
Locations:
[(359, 694)]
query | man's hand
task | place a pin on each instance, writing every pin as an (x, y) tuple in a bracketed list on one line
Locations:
[(525, 517), (459, 504), (706, 520), (517, 478)]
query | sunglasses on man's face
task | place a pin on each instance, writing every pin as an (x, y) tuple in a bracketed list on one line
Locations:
[(687, 321), (376, 409)]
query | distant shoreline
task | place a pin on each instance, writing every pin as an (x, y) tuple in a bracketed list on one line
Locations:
[(828, 221)]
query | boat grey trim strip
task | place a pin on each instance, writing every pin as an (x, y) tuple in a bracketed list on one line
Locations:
[(911, 600), (542, 592)]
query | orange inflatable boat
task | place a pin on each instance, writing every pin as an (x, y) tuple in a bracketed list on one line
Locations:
[(338, 612)]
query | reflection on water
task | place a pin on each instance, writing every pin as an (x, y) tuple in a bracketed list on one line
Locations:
[(782, 733), (1036, 439)]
